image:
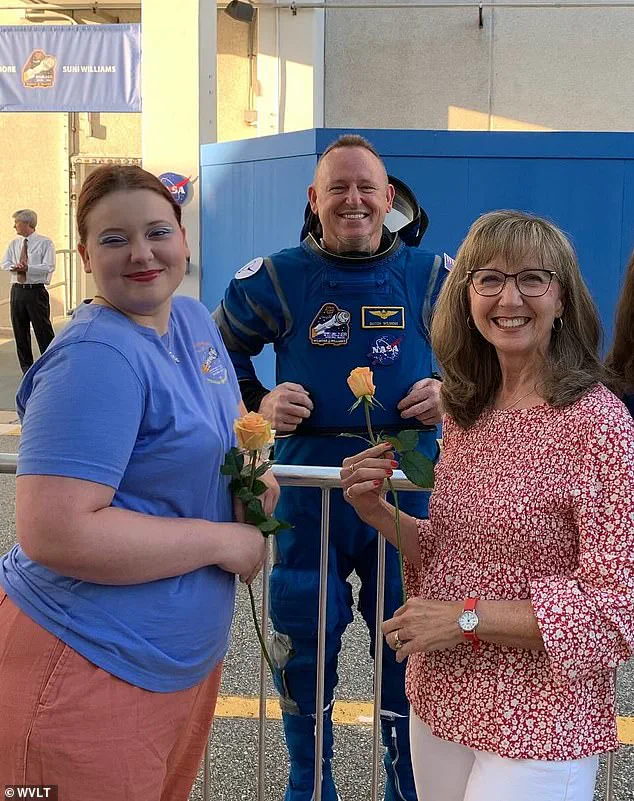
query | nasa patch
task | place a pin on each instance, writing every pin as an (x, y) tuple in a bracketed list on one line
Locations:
[(250, 268), (330, 326), (385, 350)]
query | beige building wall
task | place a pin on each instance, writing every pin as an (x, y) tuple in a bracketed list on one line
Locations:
[(34, 161), (237, 79), (525, 69)]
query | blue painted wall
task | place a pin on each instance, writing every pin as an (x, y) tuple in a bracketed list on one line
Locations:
[(254, 194)]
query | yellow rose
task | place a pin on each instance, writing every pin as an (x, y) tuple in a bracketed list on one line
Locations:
[(360, 382), (253, 431)]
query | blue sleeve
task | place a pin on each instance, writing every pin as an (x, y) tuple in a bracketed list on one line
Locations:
[(252, 314), (81, 409)]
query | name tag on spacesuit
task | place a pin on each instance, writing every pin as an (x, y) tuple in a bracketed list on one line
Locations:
[(382, 317)]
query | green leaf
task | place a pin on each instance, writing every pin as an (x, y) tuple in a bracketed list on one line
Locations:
[(263, 468), (255, 513), (236, 486), (259, 487), (244, 494), (373, 401), (233, 464), (269, 526), (272, 525), (409, 439), (395, 442), (355, 404), (418, 469)]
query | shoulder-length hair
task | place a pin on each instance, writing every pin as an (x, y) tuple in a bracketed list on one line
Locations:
[(469, 363), (620, 360)]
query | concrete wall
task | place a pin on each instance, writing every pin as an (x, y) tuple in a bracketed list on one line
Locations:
[(276, 75), (237, 78), (525, 69)]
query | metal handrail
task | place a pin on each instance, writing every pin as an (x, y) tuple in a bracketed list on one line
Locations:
[(66, 283), (326, 479)]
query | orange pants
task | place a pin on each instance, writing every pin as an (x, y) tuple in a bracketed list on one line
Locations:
[(65, 721)]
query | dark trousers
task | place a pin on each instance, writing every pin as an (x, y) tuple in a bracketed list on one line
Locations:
[(30, 306)]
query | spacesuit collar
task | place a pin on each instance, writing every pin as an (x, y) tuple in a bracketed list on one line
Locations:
[(390, 243)]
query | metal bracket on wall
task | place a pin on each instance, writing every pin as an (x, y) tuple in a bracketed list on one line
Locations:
[(480, 16)]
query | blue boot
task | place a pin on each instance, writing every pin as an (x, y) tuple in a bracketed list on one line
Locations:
[(300, 741), (399, 785)]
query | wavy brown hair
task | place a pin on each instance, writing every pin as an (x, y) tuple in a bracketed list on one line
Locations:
[(620, 360), (471, 370)]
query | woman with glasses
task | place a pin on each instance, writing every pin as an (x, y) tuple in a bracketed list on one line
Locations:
[(521, 583)]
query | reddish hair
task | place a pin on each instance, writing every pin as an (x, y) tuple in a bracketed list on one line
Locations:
[(114, 178)]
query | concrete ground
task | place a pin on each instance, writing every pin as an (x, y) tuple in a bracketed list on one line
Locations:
[(10, 373)]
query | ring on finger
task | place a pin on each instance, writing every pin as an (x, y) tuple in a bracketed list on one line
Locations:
[(348, 493), (397, 642)]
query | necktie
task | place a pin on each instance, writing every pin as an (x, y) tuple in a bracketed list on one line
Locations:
[(24, 258)]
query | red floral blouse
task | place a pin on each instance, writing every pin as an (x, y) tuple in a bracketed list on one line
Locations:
[(532, 503)]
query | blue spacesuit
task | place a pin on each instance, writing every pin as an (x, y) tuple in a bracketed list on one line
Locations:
[(325, 315)]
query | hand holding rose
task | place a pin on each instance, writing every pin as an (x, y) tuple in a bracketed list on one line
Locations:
[(423, 625)]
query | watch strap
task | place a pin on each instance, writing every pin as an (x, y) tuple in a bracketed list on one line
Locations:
[(471, 636)]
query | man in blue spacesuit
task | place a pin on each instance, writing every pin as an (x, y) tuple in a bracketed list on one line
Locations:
[(352, 294)]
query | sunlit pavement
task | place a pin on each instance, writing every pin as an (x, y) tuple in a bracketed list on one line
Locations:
[(234, 743)]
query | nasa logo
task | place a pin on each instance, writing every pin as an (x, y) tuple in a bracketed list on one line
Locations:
[(180, 187), (385, 350), (330, 326)]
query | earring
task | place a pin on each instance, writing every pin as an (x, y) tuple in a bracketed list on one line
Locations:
[(557, 328), (470, 324)]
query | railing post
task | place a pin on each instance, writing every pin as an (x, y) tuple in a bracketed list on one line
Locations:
[(206, 773), (378, 665), (609, 777), (263, 675), (321, 642)]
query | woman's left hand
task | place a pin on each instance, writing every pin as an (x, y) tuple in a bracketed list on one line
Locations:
[(423, 625)]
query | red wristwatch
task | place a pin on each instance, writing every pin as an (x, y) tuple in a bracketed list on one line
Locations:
[(468, 622)]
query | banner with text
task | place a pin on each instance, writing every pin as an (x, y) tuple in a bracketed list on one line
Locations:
[(70, 68)]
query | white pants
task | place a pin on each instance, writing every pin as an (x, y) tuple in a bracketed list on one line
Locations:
[(448, 771)]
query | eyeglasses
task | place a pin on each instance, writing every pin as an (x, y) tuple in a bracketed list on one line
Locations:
[(530, 283)]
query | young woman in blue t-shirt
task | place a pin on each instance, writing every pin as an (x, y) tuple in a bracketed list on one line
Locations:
[(116, 603)]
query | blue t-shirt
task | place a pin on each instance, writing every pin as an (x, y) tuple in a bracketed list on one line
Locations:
[(113, 402)]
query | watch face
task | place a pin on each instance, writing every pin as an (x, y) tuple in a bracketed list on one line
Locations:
[(468, 621)]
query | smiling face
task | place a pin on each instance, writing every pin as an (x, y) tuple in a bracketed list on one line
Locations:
[(518, 327), (351, 197), (136, 252)]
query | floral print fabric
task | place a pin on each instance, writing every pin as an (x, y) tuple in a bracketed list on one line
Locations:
[(532, 504)]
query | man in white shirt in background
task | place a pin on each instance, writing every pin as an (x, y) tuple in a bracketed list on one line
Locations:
[(30, 258)]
